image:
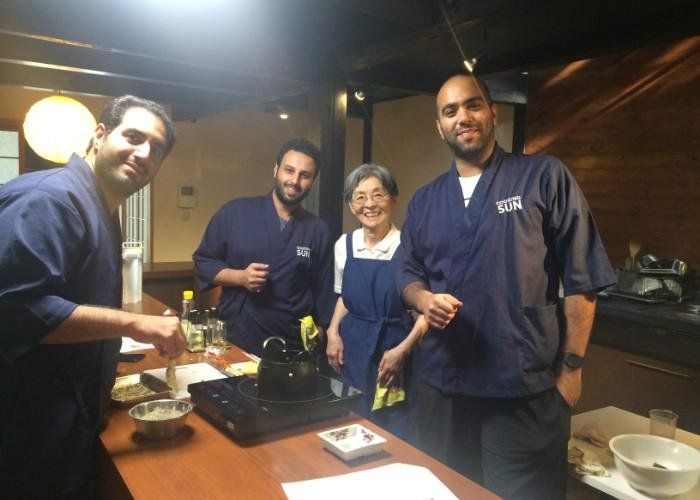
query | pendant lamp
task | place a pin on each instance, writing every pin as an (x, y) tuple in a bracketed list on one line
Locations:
[(57, 126)]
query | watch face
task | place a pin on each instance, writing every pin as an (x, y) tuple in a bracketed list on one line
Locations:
[(573, 360)]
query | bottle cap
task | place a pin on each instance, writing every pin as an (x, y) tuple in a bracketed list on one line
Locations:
[(188, 295)]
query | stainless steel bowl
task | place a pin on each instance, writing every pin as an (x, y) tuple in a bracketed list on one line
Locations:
[(160, 419)]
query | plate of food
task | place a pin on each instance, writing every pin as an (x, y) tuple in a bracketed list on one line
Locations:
[(352, 441), (137, 388)]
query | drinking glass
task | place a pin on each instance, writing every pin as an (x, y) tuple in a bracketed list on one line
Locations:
[(663, 423)]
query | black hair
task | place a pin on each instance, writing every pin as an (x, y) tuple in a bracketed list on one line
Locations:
[(113, 114), (302, 146)]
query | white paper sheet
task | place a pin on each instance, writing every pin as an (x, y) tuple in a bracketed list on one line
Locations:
[(188, 374), (408, 482), (129, 345)]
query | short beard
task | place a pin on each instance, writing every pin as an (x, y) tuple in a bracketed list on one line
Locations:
[(469, 155), (282, 197), (474, 153)]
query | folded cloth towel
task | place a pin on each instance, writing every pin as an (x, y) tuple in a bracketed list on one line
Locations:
[(593, 434), (309, 333), (588, 444), (384, 396), (586, 462)]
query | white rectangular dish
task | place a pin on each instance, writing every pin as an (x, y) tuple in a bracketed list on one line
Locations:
[(352, 441)]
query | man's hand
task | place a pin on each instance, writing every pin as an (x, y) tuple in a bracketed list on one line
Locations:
[(334, 350), (163, 332), (255, 277), (569, 385), (439, 309)]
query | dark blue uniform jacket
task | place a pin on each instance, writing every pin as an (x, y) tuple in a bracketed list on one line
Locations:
[(527, 228), (300, 280), (58, 248)]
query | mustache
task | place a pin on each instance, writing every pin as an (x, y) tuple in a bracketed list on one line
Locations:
[(471, 127)]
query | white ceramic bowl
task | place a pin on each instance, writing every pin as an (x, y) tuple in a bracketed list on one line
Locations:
[(352, 441), (656, 465)]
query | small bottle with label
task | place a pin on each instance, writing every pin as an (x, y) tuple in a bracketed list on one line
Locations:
[(195, 340), (187, 297)]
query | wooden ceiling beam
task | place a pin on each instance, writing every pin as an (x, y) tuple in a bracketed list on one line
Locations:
[(80, 58)]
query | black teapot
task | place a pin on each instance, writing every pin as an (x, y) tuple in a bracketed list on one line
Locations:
[(286, 374)]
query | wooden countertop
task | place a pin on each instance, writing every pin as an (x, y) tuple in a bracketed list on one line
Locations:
[(205, 463)]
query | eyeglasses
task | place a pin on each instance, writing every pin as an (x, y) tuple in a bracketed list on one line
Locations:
[(377, 197)]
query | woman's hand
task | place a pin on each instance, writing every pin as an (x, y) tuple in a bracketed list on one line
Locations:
[(334, 350), (391, 368)]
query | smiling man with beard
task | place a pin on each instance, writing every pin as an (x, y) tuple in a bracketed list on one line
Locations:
[(60, 293), (484, 249), (272, 258)]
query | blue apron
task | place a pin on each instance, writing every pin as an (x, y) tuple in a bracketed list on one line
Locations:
[(376, 322)]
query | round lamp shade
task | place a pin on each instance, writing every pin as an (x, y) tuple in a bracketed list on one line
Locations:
[(57, 126)]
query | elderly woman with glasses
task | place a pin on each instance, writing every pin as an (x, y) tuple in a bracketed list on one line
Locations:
[(371, 335)]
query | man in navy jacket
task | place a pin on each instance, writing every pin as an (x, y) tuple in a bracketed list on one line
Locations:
[(485, 249), (60, 294), (272, 258)]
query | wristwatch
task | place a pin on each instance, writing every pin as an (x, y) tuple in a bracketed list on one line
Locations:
[(572, 361)]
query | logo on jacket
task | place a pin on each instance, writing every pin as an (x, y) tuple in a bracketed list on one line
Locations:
[(509, 204), (304, 252)]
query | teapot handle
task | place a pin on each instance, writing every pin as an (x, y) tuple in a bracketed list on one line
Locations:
[(280, 339)]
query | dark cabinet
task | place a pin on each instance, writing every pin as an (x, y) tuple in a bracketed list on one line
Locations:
[(638, 383)]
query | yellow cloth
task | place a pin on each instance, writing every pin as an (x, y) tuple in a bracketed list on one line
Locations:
[(242, 368), (249, 368), (309, 332), (384, 396)]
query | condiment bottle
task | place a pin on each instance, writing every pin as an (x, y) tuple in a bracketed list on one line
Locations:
[(187, 297), (195, 341)]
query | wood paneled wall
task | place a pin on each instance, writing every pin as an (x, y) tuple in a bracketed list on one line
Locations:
[(628, 127)]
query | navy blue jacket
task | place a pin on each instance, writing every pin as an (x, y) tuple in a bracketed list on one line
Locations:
[(59, 247), (527, 229), (300, 280)]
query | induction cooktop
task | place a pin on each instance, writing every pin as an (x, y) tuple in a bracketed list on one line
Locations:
[(232, 405)]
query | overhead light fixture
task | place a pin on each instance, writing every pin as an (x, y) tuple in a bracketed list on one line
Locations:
[(360, 95), (470, 64), (284, 116), (58, 126)]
